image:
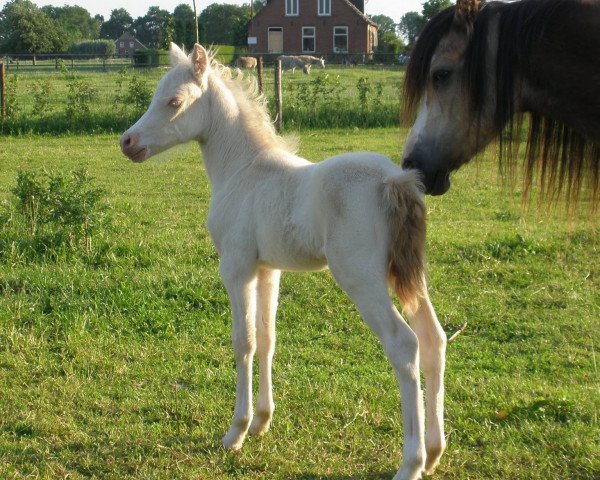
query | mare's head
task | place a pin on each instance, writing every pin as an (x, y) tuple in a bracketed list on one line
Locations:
[(177, 113), (447, 131)]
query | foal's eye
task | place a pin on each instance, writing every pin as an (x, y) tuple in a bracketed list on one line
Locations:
[(176, 102), (440, 77)]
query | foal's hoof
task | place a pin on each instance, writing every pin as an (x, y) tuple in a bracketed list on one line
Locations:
[(260, 424), (233, 441)]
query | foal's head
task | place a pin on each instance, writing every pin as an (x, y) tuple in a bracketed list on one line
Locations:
[(176, 114)]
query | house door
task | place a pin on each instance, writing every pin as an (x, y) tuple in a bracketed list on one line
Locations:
[(275, 40)]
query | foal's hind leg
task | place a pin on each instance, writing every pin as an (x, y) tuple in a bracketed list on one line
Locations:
[(267, 289), (239, 279), (369, 293), (432, 347)]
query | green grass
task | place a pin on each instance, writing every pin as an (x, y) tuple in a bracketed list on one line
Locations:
[(119, 366)]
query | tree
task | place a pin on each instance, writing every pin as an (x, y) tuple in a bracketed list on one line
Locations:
[(24, 28), (225, 24), (387, 40), (153, 28), (119, 22), (76, 22), (411, 25), (432, 7), (184, 26)]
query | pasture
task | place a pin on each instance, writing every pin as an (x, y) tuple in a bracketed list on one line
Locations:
[(117, 364)]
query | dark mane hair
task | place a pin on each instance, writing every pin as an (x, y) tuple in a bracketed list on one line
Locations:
[(551, 45)]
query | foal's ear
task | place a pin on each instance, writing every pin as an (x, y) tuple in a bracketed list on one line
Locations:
[(176, 55), (466, 11), (200, 61)]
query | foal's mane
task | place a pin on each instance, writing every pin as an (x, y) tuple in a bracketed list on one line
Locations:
[(560, 157), (252, 105)]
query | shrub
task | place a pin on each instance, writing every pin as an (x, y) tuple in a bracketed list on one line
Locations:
[(79, 98), (93, 48), (151, 58)]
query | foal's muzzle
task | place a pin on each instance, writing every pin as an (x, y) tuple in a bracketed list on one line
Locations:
[(131, 148)]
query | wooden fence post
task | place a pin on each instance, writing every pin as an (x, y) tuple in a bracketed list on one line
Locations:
[(259, 71), (3, 90), (278, 97)]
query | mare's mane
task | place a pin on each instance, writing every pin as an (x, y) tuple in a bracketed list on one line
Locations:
[(531, 35)]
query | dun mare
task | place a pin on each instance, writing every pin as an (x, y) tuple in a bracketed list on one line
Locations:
[(476, 70), (270, 210)]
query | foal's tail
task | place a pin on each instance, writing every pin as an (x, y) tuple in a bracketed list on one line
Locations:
[(406, 209)]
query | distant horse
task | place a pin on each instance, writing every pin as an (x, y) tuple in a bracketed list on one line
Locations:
[(292, 62), (245, 62), (310, 60), (476, 71), (270, 210)]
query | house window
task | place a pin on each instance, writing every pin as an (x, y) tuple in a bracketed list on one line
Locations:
[(308, 39), (130, 44), (122, 44), (291, 7), (340, 39), (324, 7)]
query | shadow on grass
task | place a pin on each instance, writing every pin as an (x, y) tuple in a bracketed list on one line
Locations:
[(336, 476)]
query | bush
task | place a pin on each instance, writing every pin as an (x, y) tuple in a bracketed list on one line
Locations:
[(57, 213), (93, 48), (151, 58)]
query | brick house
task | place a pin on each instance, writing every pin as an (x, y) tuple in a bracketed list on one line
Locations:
[(126, 45), (312, 27)]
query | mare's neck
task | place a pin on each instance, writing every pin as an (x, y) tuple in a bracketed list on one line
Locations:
[(228, 147)]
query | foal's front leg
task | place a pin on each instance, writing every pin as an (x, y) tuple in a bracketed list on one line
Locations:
[(240, 281), (267, 289), (432, 348)]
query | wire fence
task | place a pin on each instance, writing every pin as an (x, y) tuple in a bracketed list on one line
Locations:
[(106, 95)]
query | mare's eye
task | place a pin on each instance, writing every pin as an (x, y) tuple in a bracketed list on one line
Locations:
[(441, 77), (176, 102)]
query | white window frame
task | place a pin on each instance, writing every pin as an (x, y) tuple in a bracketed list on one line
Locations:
[(313, 36), (292, 8), (324, 8), (347, 38)]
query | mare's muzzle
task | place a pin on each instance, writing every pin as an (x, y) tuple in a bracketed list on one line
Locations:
[(435, 180)]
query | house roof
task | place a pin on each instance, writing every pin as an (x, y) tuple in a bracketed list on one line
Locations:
[(353, 7)]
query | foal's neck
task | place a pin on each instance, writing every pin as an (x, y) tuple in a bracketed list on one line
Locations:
[(229, 146)]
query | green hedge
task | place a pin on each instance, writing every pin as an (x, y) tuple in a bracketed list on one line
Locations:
[(93, 47), (151, 58)]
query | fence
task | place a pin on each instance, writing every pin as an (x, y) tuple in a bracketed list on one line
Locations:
[(97, 96)]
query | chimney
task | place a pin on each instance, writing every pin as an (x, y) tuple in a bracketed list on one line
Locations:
[(360, 4)]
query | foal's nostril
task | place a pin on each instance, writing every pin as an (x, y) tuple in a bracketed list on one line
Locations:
[(129, 140)]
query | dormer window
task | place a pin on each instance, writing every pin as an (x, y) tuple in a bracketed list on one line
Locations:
[(324, 7), (291, 7)]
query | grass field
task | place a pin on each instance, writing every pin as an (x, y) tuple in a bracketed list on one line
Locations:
[(118, 365)]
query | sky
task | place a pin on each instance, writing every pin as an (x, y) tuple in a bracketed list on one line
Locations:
[(138, 8)]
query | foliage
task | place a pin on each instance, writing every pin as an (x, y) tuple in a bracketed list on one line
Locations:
[(24, 28), (155, 28), (41, 97), (50, 214), (76, 22), (184, 26), (151, 57), (119, 22), (137, 95), (433, 7), (79, 98), (225, 24), (411, 25), (93, 47), (12, 104)]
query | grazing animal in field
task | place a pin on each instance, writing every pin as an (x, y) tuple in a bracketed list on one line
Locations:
[(245, 62), (271, 210), (291, 62), (310, 60), (476, 70)]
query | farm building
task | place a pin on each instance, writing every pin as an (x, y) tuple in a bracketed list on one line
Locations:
[(126, 45), (314, 27)]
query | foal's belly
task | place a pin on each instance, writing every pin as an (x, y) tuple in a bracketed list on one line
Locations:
[(292, 258)]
